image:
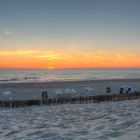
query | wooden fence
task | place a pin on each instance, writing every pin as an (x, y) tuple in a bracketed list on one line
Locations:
[(69, 100)]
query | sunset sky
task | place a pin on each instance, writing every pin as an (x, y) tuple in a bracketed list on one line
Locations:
[(69, 33)]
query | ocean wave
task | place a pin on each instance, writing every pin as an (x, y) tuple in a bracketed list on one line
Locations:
[(8, 80), (44, 75), (30, 77)]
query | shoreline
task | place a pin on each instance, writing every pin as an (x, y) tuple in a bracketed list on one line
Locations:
[(69, 81)]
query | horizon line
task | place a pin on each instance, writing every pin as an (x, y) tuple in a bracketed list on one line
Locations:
[(75, 68)]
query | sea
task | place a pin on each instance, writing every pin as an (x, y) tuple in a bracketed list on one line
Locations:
[(48, 75)]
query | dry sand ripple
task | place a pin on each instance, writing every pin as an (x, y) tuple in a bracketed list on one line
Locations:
[(104, 121)]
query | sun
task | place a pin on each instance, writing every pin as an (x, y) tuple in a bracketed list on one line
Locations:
[(50, 68)]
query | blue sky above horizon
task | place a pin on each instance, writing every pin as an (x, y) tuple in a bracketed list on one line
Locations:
[(93, 25)]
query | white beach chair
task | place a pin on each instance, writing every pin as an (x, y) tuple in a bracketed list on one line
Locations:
[(89, 91), (6, 96), (59, 93), (126, 89), (69, 92)]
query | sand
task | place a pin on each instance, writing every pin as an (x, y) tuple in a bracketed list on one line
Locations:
[(104, 121), (33, 90)]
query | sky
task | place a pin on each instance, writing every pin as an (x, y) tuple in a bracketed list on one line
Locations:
[(69, 33)]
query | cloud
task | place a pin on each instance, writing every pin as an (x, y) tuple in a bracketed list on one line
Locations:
[(8, 33), (125, 56), (49, 55), (18, 52)]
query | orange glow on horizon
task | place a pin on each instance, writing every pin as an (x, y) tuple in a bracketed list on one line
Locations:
[(69, 59)]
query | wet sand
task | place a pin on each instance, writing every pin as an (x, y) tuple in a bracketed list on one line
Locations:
[(33, 90)]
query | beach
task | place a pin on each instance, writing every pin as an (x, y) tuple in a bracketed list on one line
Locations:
[(107, 120), (33, 90), (103, 121)]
